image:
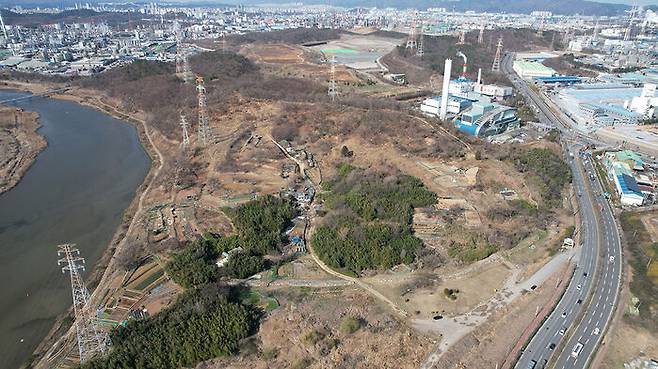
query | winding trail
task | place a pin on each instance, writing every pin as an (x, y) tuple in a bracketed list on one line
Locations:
[(61, 345), (308, 231)]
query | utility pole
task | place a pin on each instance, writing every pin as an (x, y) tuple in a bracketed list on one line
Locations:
[(499, 52), (629, 30), (204, 128), (179, 54), (481, 35), (332, 92), (420, 51), (91, 340), (462, 37), (184, 125)]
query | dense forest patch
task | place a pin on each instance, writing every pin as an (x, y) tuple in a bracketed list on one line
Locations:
[(368, 225), (201, 325), (259, 226)]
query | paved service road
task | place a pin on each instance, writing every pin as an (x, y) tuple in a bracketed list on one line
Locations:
[(571, 334)]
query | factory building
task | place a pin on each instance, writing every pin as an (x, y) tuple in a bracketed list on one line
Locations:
[(607, 115), (531, 69), (456, 104), (646, 103), (558, 80), (493, 90), (487, 119), (621, 167)]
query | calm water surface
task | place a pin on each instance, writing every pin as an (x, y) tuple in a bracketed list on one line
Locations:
[(75, 192)]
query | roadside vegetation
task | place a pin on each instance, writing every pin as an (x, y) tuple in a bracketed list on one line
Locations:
[(568, 65), (201, 325), (259, 226), (548, 173), (643, 253), (368, 225)]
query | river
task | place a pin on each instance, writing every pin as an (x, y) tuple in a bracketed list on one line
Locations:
[(75, 192)]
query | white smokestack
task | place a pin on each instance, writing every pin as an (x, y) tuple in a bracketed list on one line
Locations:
[(465, 68), (479, 76), (446, 86)]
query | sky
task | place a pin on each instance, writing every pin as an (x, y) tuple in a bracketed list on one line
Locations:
[(630, 2)]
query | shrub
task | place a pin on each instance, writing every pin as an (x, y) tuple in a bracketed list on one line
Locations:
[(349, 325)]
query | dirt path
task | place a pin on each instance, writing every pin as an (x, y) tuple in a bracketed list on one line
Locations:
[(455, 328), (59, 346), (307, 235), (466, 145)]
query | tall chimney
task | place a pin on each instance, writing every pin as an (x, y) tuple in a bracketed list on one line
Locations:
[(479, 76), (446, 86)]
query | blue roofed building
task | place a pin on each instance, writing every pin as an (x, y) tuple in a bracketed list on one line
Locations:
[(621, 167), (487, 119), (559, 80)]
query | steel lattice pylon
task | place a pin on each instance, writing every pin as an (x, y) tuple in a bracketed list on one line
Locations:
[(420, 51), (332, 92), (499, 53), (184, 124), (204, 127), (91, 340)]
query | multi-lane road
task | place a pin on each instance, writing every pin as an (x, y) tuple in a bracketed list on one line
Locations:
[(571, 334)]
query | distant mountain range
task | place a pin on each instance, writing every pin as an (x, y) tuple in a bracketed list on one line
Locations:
[(567, 7)]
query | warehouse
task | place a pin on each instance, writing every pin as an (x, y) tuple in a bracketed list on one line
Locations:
[(530, 69)]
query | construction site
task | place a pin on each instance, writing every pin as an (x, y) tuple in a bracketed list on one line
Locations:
[(226, 140)]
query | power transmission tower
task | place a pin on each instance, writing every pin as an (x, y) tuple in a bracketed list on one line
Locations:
[(420, 51), (179, 55), (629, 30), (187, 70), (540, 32), (332, 92), (184, 125), (91, 340), (552, 47), (462, 37), (499, 51), (481, 35), (204, 128), (411, 41)]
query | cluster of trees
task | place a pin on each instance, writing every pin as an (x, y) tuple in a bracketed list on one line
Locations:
[(378, 195), (201, 325), (221, 65), (259, 225), (568, 65), (150, 87), (368, 226), (289, 36), (355, 246), (548, 173), (439, 48)]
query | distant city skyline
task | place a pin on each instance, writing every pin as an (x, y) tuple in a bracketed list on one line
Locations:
[(629, 2)]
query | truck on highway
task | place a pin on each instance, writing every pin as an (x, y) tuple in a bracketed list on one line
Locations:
[(532, 364)]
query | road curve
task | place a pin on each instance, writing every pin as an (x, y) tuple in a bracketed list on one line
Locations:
[(581, 318)]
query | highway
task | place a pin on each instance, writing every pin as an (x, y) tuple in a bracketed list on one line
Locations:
[(581, 317)]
